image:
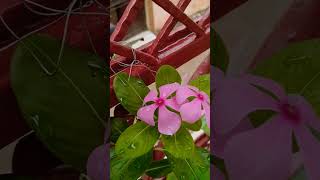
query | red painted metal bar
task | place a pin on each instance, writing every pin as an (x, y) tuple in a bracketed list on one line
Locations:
[(126, 20), (176, 54), (205, 19), (179, 15), (167, 28), (119, 49)]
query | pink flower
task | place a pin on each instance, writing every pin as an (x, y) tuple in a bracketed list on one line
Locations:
[(265, 153), (168, 122), (196, 108)]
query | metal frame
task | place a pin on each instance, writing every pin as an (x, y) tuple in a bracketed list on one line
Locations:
[(173, 48)]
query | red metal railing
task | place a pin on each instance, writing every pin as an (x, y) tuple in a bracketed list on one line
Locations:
[(173, 47)]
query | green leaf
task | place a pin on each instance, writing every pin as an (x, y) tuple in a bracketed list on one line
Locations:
[(118, 126), (171, 176), (167, 75), (196, 167), (297, 69), (136, 140), (130, 91), (194, 127), (202, 83), (159, 168), (179, 145), (66, 110), (219, 53), (129, 168)]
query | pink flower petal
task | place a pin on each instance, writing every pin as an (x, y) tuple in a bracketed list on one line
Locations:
[(219, 140), (168, 89), (267, 84), (206, 108), (309, 149), (306, 110), (168, 122), (260, 154), (183, 93), (146, 114), (191, 111), (151, 96), (234, 99), (172, 103), (206, 97)]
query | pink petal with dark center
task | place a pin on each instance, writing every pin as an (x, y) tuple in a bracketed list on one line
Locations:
[(191, 111), (206, 97), (168, 89), (146, 114), (260, 154), (183, 93), (306, 111), (309, 149), (168, 122), (234, 100), (151, 96)]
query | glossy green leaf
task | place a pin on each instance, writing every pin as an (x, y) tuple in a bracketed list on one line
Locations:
[(219, 53), (137, 140), (167, 75), (194, 127), (130, 91), (179, 145), (67, 110), (195, 167), (297, 68), (118, 126), (129, 168), (202, 83), (159, 168), (171, 176)]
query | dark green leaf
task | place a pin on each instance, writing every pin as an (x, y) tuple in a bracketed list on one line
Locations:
[(129, 168), (194, 127), (167, 75), (159, 168), (202, 83), (179, 145), (219, 53), (118, 126), (67, 110), (130, 91), (297, 69), (195, 167), (136, 140)]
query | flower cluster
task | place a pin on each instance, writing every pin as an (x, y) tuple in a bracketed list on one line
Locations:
[(174, 103), (263, 152)]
